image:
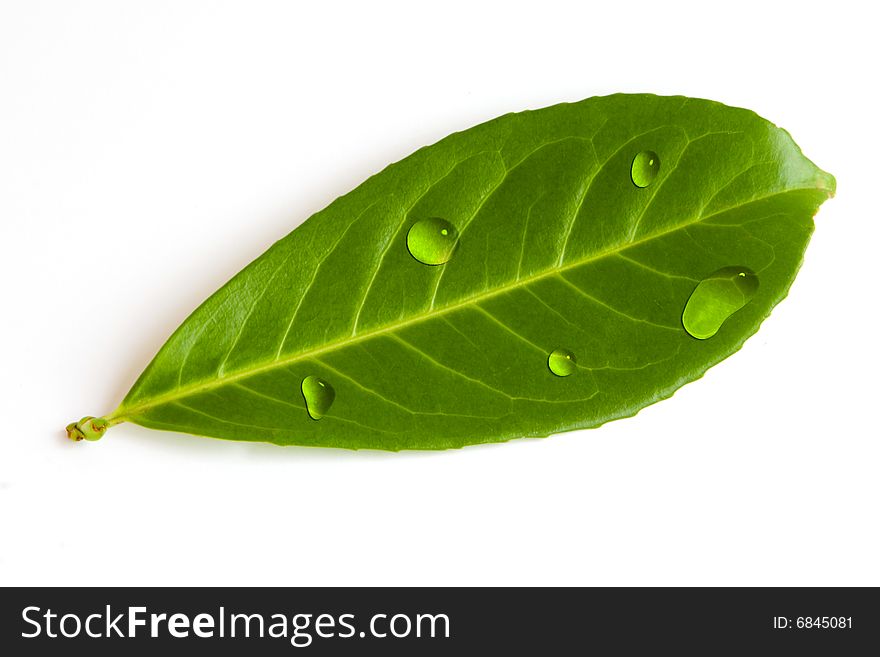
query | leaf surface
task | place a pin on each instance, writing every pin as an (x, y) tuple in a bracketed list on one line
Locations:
[(558, 249)]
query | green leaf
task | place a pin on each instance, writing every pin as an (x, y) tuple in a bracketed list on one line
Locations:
[(583, 228)]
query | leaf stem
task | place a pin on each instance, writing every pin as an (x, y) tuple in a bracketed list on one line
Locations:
[(90, 428)]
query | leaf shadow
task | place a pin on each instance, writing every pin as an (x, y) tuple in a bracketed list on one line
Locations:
[(181, 444), (188, 445)]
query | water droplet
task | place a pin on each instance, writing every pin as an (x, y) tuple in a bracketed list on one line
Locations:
[(716, 298), (645, 167), (319, 396), (562, 362), (432, 241)]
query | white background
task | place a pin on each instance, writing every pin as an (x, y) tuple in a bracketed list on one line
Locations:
[(149, 150)]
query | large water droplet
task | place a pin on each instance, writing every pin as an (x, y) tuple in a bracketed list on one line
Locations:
[(432, 241), (562, 362), (319, 396), (716, 298), (645, 167)]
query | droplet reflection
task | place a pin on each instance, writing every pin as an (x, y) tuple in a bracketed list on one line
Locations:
[(716, 298), (319, 396), (645, 167), (432, 241), (562, 362)]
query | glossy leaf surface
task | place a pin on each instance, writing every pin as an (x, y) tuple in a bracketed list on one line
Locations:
[(558, 247)]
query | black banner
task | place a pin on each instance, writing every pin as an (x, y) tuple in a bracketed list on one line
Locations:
[(439, 621)]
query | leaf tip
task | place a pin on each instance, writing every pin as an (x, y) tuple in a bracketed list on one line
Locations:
[(827, 183)]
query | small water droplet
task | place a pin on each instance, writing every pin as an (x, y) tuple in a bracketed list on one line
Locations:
[(645, 167), (319, 396), (562, 362), (432, 241), (716, 298)]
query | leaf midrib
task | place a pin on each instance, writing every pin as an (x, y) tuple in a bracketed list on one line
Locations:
[(122, 413)]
